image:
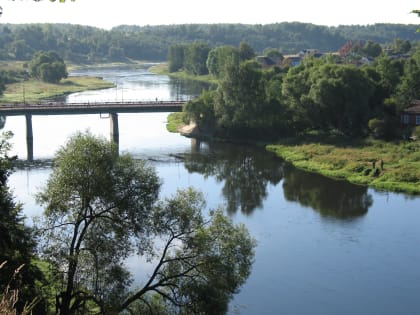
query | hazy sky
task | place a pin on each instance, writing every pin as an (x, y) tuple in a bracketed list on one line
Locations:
[(109, 13)]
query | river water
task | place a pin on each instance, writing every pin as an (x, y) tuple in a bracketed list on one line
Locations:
[(324, 246)]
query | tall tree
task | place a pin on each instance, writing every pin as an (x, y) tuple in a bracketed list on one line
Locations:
[(196, 56), (102, 207), (409, 87), (17, 243), (176, 57), (48, 66)]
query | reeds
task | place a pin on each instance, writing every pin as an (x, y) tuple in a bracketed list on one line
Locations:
[(9, 297)]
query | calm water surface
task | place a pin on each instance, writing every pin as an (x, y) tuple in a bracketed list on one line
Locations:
[(324, 246)]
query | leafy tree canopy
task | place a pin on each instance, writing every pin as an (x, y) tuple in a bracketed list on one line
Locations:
[(48, 66), (17, 243), (101, 207)]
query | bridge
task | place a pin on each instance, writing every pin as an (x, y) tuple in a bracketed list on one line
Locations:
[(62, 108)]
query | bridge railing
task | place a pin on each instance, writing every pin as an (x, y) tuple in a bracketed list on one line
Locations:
[(14, 106)]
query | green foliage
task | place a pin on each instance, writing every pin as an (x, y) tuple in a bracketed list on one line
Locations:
[(401, 46), (2, 86), (48, 66), (196, 56), (372, 49), (409, 87), (329, 96), (17, 242), (219, 57), (246, 52), (84, 44), (240, 105), (201, 110), (175, 121), (176, 56), (102, 207), (385, 129), (353, 161), (416, 132)]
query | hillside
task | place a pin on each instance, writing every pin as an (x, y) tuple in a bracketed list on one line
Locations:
[(83, 44)]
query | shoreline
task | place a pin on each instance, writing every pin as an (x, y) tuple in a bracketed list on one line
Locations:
[(382, 166), (399, 173)]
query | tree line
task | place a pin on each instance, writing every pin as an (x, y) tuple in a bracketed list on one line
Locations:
[(321, 94), (84, 44)]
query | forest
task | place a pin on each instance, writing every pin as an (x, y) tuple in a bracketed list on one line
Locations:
[(85, 44)]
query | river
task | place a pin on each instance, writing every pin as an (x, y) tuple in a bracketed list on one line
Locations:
[(324, 246)]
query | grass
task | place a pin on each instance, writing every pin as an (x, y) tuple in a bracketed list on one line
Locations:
[(162, 68), (353, 162), (36, 90), (175, 121), (10, 297)]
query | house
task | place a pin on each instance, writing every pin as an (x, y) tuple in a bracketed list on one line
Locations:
[(411, 115), (292, 60)]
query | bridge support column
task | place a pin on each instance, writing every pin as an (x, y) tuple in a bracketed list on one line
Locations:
[(29, 138), (114, 132)]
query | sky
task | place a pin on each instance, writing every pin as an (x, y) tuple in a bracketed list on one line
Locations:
[(109, 13)]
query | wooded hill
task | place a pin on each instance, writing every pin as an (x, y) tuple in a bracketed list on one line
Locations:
[(84, 44)]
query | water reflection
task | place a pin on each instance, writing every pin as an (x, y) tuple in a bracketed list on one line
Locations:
[(181, 88), (332, 198), (247, 171)]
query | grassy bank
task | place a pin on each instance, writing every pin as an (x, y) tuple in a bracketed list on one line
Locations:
[(163, 69), (353, 162), (35, 90), (175, 122)]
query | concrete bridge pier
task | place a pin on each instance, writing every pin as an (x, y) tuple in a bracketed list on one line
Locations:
[(29, 138), (114, 132)]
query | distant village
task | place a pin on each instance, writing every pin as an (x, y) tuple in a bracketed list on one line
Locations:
[(348, 54)]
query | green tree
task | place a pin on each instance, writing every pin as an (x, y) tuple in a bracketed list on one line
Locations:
[(176, 57), (295, 89), (2, 85), (201, 111), (322, 96), (246, 52), (48, 66), (409, 87), (196, 56), (372, 49), (219, 57), (338, 106), (102, 207), (401, 46), (17, 243), (240, 101)]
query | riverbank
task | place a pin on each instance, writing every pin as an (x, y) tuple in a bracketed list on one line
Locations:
[(346, 160), (36, 90), (359, 163), (162, 68)]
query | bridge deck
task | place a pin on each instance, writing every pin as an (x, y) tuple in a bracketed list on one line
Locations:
[(61, 108)]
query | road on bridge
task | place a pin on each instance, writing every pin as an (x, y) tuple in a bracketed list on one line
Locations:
[(61, 108)]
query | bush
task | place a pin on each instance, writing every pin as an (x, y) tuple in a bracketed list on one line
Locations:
[(383, 128), (416, 133)]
